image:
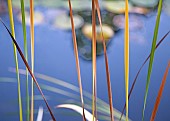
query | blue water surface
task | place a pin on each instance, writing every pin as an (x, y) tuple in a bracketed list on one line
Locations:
[(54, 56)]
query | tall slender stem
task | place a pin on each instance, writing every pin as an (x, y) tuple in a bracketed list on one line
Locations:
[(32, 55), (126, 55), (16, 58), (26, 55), (94, 59)]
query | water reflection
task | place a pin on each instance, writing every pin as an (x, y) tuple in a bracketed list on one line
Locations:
[(113, 17), (84, 37), (60, 63), (57, 16)]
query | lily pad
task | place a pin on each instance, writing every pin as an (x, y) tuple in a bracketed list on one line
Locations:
[(134, 22), (139, 10), (78, 5), (44, 3), (38, 18), (84, 37), (145, 3), (17, 4), (107, 32), (167, 6), (52, 3), (117, 7), (63, 22)]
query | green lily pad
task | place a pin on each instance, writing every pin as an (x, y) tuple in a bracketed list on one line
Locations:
[(134, 22), (52, 3), (78, 5), (44, 3), (107, 32), (167, 6), (117, 7), (145, 3), (17, 4), (84, 37), (140, 10), (38, 18), (63, 22)]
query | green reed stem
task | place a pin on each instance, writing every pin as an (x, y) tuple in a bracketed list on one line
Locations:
[(152, 56), (26, 55), (16, 59)]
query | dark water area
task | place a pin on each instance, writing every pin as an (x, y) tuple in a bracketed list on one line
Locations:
[(54, 56)]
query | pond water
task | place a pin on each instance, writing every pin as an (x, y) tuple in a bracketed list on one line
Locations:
[(54, 56)]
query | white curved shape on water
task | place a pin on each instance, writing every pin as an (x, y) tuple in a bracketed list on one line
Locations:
[(40, 114), (78, 109)]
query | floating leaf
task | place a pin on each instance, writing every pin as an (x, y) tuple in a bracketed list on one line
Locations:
[(167, 6), (79, 5), (52, 3), (145, 3), (117, 7), (38, 18), (107, 32), (16, 3), (135, 22), (63, 22), (139, 10)]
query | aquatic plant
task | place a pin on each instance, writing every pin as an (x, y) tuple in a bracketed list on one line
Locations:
[(88, 101), (16, 58)]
